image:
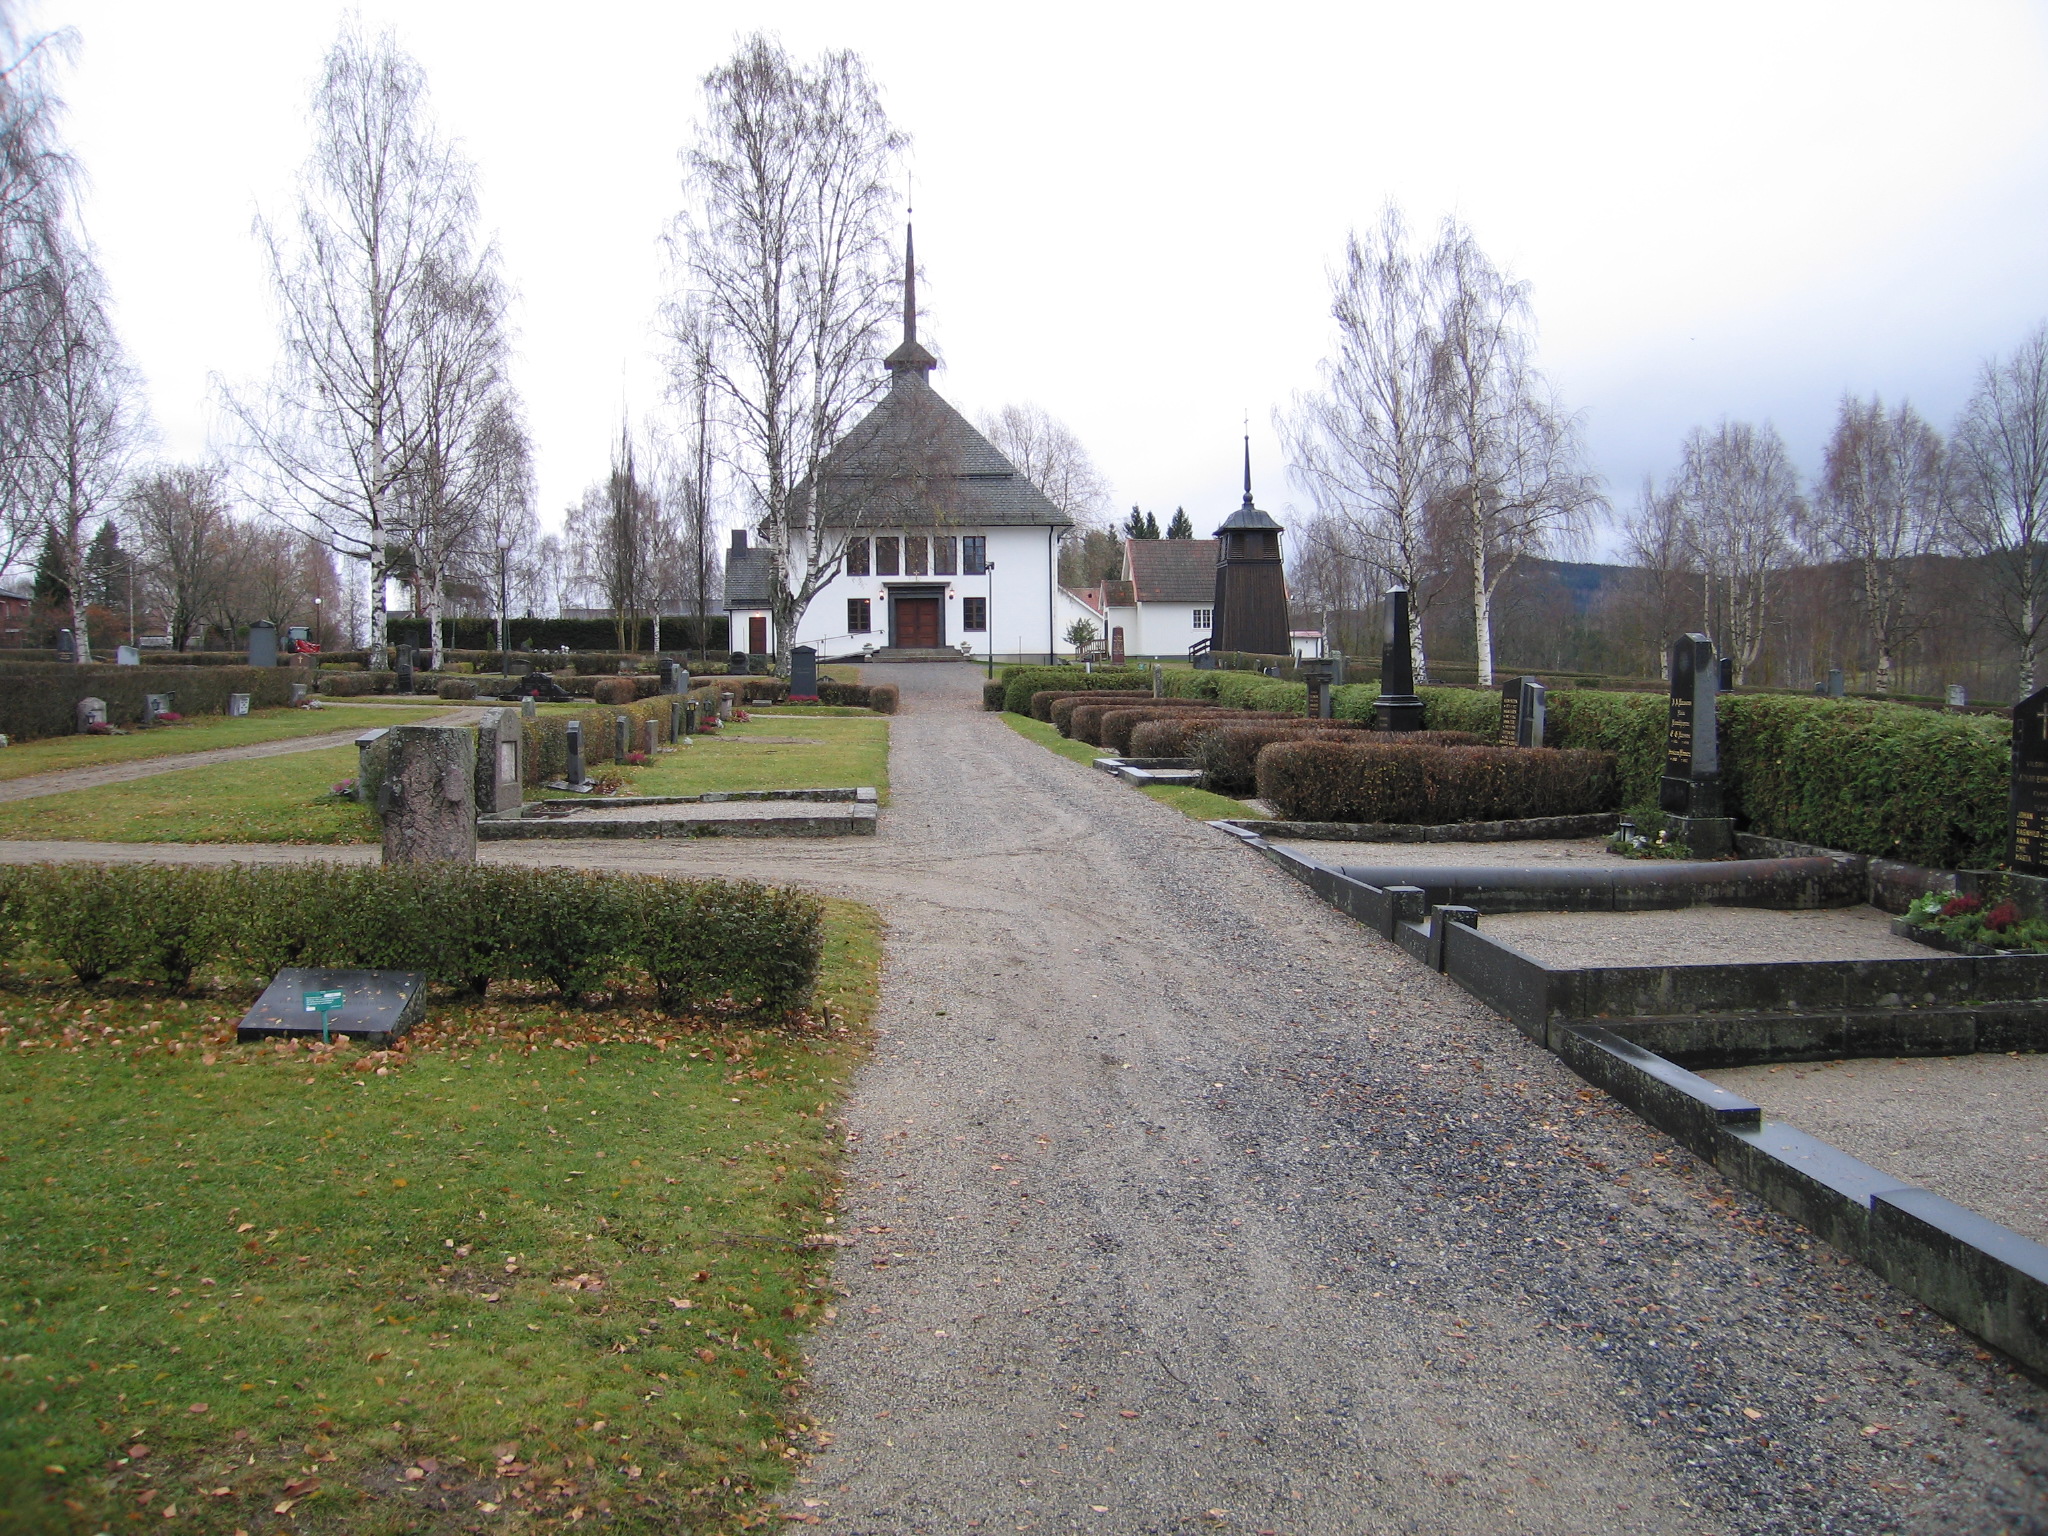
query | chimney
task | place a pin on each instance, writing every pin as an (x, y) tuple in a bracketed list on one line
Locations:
[(739, 540)]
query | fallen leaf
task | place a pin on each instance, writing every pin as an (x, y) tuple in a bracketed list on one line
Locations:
[(283, 1506), (1127, 1413), (681, 1303), (197, 1408), (247, 1226), (54, 1470), (299, 1487), (377, 1354), (707, 1355), (1751, 1413)]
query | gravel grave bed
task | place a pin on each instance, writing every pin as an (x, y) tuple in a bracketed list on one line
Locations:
[(1702, 936), (1589, 852), (1974, 1129)]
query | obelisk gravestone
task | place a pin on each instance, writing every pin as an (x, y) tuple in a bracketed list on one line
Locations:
[(2029, 802), (1690, 791), (1397, 708)]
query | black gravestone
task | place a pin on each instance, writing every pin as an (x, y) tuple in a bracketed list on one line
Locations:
[(575, 778), (2029, 799), (1317, 674), (263, 644), (1397, 708), (1690, 790), (405, 669), (803, 673), (1510, 715), (376, 1006), (1727, 674), (1521, 713), (67, 646)]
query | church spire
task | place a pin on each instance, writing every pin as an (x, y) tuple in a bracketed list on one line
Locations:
[(910, 357)]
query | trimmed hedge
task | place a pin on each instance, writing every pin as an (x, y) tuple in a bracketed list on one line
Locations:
[(1118, 723), (1059, 710), (677, 634), (703, 943), (992, 697), (1229, 757), (882, 698), (1323, 780), (1019, 683), (38, 701), (1240, 690), (1043, 700), (547, 736), (456, 688), (1085, 722), (1633, 726)]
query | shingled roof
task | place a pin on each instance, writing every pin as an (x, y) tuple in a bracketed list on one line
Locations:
[(1172, 570), (915, 462)]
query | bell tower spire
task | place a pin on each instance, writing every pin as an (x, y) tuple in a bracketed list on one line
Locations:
[(910, 359)]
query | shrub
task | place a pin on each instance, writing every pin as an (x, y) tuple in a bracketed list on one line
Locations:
[(1885, 780), (1240, 690), (41, 699), (1633, 726), (992, 696), (350, 685), (547, 736), (1229, 757), (456, 688), (1085, 722), (1019, 683), (883, 698), (1059, 709), (703, 942), (1325, 780), (615, 690), (1043, 700), (1119, 721), (1476, 710)]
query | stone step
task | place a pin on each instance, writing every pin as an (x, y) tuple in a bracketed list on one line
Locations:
[(922, 653)]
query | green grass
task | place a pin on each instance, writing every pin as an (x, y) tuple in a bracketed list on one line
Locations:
[(485, 1283), (204, 733), (1198, 803), (265, 800), (834, 753)]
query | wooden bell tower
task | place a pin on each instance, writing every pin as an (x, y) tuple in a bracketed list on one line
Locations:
[(1251, 583)]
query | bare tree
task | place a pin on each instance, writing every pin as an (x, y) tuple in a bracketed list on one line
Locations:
[(1048, 454), (381, 199), (1660, 545), (2000, 462), (183, 533), (1511, 465), (1878, 507), (612, 538), (783, 263), (1743, 514)]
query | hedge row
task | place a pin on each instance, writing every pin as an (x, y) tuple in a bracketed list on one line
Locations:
[(882, 698), (677, 634), (1229, 758), (1019, 683), (1043, 700), (1326, 780), (1177, 735), (1240, 690), (1084, 721), (42, 701), (701, 942)]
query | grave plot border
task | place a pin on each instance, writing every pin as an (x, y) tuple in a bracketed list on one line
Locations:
[(1979, 1275), (1531, 829), (563, 817)]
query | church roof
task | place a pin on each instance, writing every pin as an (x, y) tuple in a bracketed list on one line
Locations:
[(916, 462), (1172, 570), (749, 578)]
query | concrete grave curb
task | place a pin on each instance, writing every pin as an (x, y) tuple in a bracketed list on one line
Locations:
[(1979, 1275)]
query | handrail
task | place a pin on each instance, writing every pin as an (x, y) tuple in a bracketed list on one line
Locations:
[(1200, 648)]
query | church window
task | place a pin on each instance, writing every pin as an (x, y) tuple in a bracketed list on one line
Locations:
[(1204, 617), (857, 619), (945, 557), (916, 555), (974, 614), (856, 557), (885, 557), (973, 554)]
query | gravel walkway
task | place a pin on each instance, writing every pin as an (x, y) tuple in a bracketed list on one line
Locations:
[(1974, 1129), (65, 780), (1182, 1204)]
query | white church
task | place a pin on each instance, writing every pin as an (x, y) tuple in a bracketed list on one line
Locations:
[(948, 547)]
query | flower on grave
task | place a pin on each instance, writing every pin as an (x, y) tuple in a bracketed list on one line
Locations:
[(739, 714), (345, 790), (636, 759), (99, 728), (168, 716), (2002, 916), (1962, 906)]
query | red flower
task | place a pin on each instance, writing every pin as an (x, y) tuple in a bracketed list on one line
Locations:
[(2001, 917), (1961, 906)]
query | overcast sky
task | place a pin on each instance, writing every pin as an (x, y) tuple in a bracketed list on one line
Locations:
[(1126, 214)]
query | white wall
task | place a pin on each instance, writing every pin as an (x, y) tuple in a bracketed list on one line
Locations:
[(1166, 629), (1024, 616)]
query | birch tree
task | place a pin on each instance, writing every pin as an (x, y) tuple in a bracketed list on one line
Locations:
[(1878, 507), (1364, 447), (1743, 513), (2000, 479), (782, 258), (381, 198)]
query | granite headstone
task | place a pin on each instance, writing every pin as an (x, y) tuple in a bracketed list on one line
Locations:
[(428, 800), (803, 673), (238, 706), (1397, 708), (2028, 816), (263, 644), (1690, 790), (91, 712)]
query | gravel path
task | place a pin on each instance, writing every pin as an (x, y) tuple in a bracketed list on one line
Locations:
[(65, 780), (1182, 1204), (1974, 1129)]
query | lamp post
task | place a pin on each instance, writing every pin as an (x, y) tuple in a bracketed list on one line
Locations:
[(131, 599), (988, 617), (319, 629), (504, 632)]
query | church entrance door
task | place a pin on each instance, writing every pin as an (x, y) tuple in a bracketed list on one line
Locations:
[(917, 623)]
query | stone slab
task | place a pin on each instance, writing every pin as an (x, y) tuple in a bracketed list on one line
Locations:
[(378, 1006)]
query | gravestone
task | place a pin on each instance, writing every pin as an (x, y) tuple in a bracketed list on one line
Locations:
[(1958, 696), (500, 762), (154, 704), (371, 754), (725, 706), (91, 712), (691, 710), (1318, 675), (1834, 682), (650, 737), (2028, 813), (1727, 677), (1116, 644), (405, 669), (529, 708), (1690, 791), (375, 1007), (1397, 708), (622, 737), (263, 644), (1521, 713), (675, 719), (238, 706), (300, 693), (1158, 681), (575, 778), (67, 646), (803, 673), (428, 798), (127, 656)]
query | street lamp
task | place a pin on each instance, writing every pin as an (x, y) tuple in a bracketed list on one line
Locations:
[(504, 634), (319, 630), (988, 617)]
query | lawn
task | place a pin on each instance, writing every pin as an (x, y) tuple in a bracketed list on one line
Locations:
[(264, 800), (1198, 803), (811, 752), (203, 733), (539, 1268)]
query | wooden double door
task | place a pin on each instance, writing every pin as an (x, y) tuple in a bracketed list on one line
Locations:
[(916, 622)]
